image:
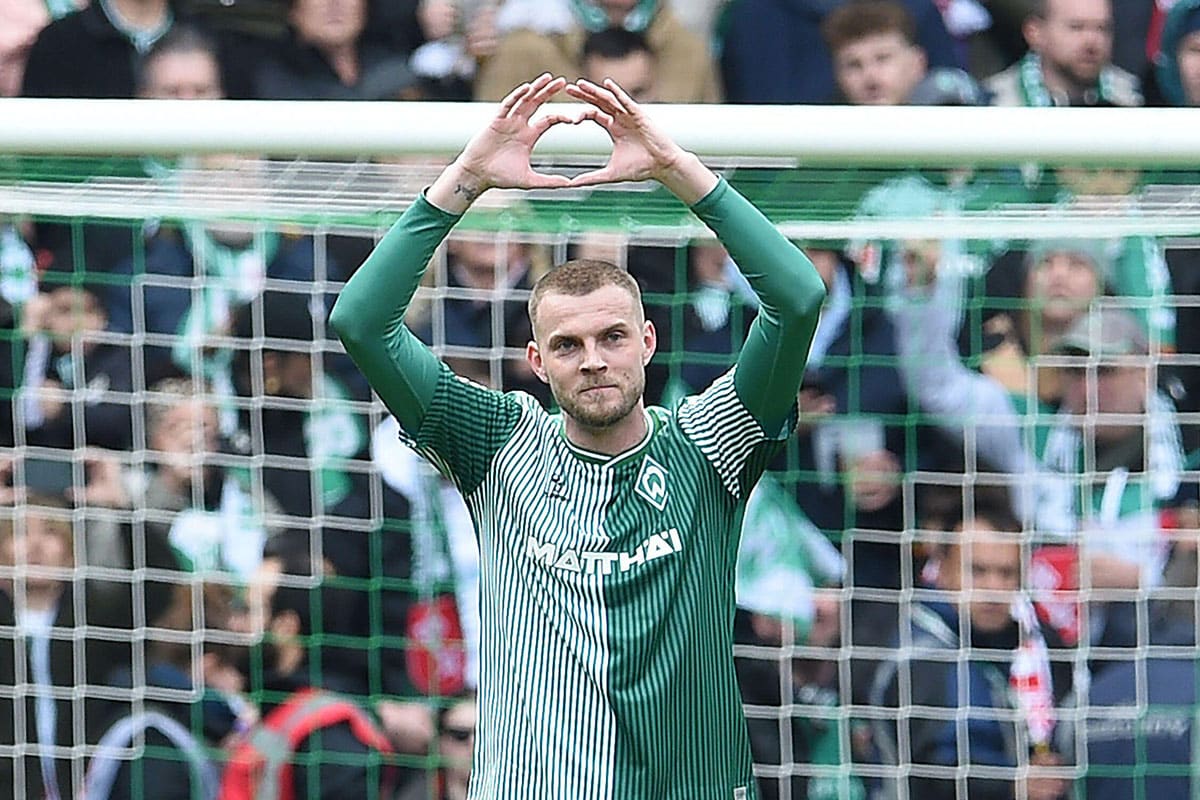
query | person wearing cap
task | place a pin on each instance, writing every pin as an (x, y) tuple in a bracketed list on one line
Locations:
[(1113, 498), (1082, 474), (1177, 66), (1059, 280)]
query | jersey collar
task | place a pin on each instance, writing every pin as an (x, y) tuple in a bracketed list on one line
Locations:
[(604, 459)]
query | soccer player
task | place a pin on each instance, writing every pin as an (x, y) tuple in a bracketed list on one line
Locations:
[(607, 532)]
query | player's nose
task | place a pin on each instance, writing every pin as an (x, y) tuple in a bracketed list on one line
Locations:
[(593, 360)]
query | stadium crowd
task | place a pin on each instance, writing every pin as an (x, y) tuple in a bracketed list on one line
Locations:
[(977, 549)]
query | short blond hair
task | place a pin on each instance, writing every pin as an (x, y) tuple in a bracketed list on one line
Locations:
[(579, 277)]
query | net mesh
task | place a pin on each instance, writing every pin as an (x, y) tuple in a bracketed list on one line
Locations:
[(167, 367)]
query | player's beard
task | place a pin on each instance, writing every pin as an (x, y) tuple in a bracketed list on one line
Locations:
[(597, 417)]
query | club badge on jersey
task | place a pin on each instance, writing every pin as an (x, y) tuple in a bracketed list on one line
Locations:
[(652, 483)]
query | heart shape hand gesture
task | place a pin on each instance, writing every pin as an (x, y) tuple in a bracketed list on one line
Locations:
[(499, 156)]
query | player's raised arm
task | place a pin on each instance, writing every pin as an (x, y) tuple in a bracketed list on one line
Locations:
[(369, 313), (789, 290)]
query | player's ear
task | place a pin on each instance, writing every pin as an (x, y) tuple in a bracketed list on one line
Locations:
[(649, 341), (534, 356)]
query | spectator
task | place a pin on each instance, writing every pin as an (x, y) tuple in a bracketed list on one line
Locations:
[(77, 383), (20, 23), (442, 653), (626, 57), (1060, 279), (774, 51), (480, 311), (175, 761), (313, 447), (10, 339), (94, 52), (1105, 501), (184, 64), (979, 678), (233, 261), (876, 58), (458, 37), (209, 512), (327, 57), (702, 323), (1178, 62), (1141, 721), (786, 569), (455, 741), (42, 605), (537, 37), (311, 742), (1069, 62), (1140, 739), (1110, 399)]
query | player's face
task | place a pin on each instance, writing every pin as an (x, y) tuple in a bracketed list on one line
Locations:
[(880, 69), (592, 350)]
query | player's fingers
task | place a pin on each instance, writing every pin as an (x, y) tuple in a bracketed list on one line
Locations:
[(543, 93), (543, 124), (593, 178), (611, 97), (623, 99), (510, 101), (596, 95), (599, 117), (527, 103), (537, 180)]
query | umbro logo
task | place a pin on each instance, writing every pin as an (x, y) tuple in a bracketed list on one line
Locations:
[(652, 483)]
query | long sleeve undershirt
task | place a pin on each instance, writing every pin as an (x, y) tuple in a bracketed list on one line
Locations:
[(369, 314)]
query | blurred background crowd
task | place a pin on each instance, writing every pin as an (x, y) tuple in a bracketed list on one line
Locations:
[(972, 572)]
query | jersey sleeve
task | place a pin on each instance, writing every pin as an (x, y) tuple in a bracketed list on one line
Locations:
[(369, 314), (730, 437), (464, 426), (790, 293)]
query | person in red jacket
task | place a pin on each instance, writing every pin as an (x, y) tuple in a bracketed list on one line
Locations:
[(311, 744)]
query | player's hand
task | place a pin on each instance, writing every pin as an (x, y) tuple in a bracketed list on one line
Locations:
[(499, 155), (641, 150)]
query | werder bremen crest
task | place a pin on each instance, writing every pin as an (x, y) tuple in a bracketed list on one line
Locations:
[(652, 483)]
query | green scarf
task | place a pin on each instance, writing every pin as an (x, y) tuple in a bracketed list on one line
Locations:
[(1033, 86), (231, 277), (595, 18)]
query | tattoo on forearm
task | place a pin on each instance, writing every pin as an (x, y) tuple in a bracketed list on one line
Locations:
[(467, 190)]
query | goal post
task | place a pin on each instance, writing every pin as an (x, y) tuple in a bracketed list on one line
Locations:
[(937, 382)]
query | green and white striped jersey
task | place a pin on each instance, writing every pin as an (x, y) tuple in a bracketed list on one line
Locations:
[(607, 595), (607, 585)]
